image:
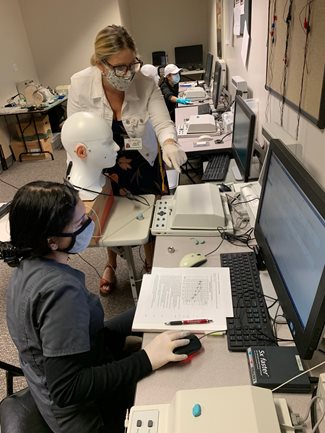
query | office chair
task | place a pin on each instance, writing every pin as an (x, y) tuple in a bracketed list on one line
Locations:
[(18, 411)]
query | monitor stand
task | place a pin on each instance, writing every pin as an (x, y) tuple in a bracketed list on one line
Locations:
[(318, 357), (235, 171), (254, 170)]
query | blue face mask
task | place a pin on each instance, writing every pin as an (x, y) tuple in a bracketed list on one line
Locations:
[(79, 239), (176, 78)]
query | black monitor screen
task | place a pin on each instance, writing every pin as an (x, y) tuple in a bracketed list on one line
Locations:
[(290, 229), (243, 136), (208, 69), (216, 87), (190, 57)]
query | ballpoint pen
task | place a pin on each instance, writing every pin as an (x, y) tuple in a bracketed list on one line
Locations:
[(189, 322)]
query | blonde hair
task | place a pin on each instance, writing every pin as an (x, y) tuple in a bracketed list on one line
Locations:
[(110, 41)]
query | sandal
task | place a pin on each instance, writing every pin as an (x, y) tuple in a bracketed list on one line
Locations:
[(106, 286), (147, 268)]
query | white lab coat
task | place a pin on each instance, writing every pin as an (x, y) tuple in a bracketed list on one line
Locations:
[(144, 112)]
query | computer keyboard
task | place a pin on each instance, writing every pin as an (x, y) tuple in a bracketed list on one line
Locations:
[(251, 324), (204, 109), (217, 168)]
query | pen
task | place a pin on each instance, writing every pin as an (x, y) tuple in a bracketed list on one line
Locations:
[(189, 322)]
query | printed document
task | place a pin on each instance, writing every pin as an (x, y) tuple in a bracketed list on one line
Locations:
[(176, 294)]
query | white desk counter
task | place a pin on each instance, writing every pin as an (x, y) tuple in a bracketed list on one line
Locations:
[(188, 144), (215, 365), (128, 225)]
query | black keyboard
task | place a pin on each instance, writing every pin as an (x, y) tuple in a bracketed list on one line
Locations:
[(217, 168), (251, 325), (204, 109)]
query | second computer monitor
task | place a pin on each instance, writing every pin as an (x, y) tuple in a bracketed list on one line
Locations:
[(218, 80), (208, 69), (243, 136), (189, 57)]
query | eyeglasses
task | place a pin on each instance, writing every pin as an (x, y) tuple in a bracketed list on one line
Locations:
[(121, 70)]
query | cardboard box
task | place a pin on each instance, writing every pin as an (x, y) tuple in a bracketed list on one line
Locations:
[(99, 210), (32, 148), (42, 124)]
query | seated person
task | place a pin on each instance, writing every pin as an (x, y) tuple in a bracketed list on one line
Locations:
[(150, 71), (74, 362), (169, 89)]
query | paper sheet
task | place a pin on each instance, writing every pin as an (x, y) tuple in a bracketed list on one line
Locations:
[(184, 293), (4, 227), (245, 45), (237, 21)]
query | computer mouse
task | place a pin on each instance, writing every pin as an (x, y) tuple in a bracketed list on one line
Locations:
[(193, 346), (205, 137), (224, 188), (192, 260)]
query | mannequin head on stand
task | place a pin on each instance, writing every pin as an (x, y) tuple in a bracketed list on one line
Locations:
[(88, 141)]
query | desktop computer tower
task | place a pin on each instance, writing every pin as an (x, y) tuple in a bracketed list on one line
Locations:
[(159, 58)]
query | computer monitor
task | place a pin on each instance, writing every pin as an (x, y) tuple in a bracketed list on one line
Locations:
[(189, 57), (208, 69), (218, 80), (290, 231), (243, 134)]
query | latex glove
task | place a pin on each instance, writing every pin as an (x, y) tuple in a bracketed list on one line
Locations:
[(160, 349), (173, 156), (183, 101)]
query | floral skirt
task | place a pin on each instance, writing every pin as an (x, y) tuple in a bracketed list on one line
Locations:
[(133, 173)]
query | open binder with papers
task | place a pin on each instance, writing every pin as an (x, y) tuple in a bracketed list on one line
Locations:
[(177, 294)]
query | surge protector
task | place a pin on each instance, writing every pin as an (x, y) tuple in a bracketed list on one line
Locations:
[(250, 195), (321, 387)]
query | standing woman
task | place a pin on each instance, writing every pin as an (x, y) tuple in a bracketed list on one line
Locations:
[(115, 89)]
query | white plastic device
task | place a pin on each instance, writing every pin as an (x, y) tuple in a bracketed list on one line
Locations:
[(194, 210), (239, 83), (195, 93), (240, 86), (202, 123), (212, 409)]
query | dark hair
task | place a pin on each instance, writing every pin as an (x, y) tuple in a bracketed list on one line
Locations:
[(39, 210)]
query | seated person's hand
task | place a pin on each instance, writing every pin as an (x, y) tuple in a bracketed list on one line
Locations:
[(184, 101), (160, 349), (173, 156)]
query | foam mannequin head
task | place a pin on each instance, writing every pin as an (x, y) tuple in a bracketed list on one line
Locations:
[(88, 140), (150, 71)]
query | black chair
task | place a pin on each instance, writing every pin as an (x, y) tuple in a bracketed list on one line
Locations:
[(18, 411), (159, 58)]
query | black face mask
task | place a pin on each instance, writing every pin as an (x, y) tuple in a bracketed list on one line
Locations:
[(79, 239)]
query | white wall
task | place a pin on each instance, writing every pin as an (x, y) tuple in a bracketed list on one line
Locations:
[(163, 25), (62, 33), (17, 62), (311, 138), (125, 14)]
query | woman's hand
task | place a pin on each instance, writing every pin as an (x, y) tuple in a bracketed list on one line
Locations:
[(173, 155), (160, 349)]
